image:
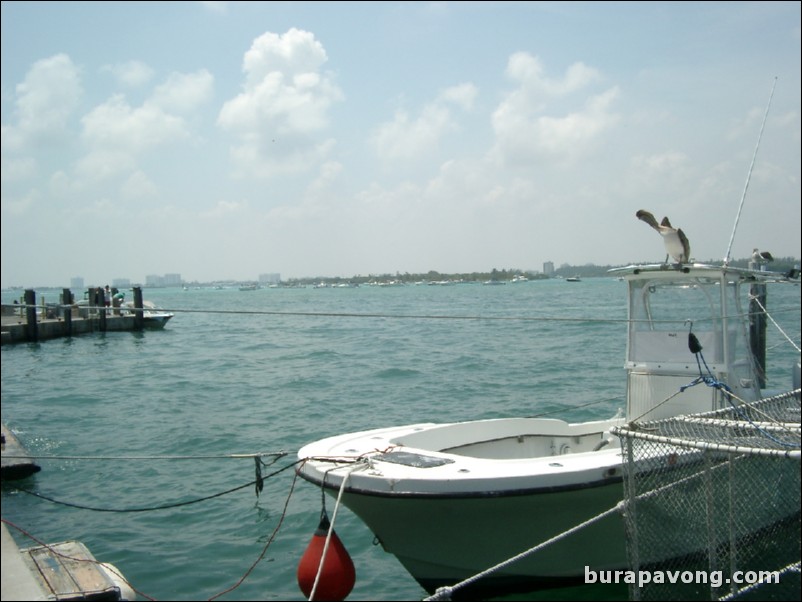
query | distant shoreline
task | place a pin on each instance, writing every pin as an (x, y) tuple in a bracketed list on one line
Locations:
[(782, 264)]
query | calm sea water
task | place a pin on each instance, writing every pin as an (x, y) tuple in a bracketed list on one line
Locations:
[(225, 378)]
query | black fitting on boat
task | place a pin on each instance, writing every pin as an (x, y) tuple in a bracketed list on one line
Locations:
[(693, 343)]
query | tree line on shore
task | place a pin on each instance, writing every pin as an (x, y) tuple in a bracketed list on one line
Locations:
[(782, 264)]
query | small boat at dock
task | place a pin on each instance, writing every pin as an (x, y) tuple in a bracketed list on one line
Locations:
[(152, 315)]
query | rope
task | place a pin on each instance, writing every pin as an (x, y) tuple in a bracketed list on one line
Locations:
[(749, 175), (257, 455), (666, 400), (359, 315), (444, 593), (266, 546), (566, 408), (152, 508), (214, 597), (791, 568), (711, 381), (773, 321), (351, 469)]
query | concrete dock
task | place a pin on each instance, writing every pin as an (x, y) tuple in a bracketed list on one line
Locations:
[(62, 571), (15, 329), (16, 464), (16, 582), (29, 322)]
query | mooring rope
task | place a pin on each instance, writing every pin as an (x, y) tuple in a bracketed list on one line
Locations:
[(153, 508), (279, 454), (351, 469)]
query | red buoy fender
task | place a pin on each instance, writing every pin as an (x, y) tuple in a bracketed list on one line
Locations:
[(338, 576)]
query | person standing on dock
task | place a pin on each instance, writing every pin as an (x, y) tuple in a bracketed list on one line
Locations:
[(107, 298)]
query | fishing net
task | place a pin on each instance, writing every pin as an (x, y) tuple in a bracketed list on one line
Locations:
[(712, 503)]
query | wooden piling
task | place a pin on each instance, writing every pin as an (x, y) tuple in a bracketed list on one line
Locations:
[(66, 307), (100, 302), (139, 315), (31, 330)]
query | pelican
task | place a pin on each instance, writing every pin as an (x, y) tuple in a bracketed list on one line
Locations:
[(677, 245), (761, 256)]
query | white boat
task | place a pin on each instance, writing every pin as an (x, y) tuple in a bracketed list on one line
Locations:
[(152, 315), (452, 500)]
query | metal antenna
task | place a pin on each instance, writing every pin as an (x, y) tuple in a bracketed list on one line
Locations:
[(749, 175)]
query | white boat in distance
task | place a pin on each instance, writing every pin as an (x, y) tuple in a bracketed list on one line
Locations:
[(453, 500)]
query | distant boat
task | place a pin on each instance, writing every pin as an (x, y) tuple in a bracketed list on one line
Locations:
[(573, 279), (250, 287)]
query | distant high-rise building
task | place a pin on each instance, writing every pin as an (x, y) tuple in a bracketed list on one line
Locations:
[(548, 268), (77, 283), (269, 278), (172, 280), (156, 281), (121, 283)]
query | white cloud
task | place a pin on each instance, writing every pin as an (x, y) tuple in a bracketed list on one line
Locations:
[(224, 208), (668, 162), (409, 138), (102, 164), (528, 71), (21, 204), (183, 92), (219, 7), (131, 74), (117, 125), (117, 134), (138, 186), (18, 168), (533, 122), (296, 52), (46, 99), (283, 108)]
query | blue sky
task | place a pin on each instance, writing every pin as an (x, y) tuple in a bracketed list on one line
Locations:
[(222, 140)]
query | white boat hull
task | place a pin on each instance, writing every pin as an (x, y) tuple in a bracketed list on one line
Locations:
[(449, 515), (489, 530)]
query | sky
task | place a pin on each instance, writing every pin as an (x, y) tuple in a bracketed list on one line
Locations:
[(224, 140)]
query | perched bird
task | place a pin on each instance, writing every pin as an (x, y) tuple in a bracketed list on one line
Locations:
[(761, 256), (677, 245)]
